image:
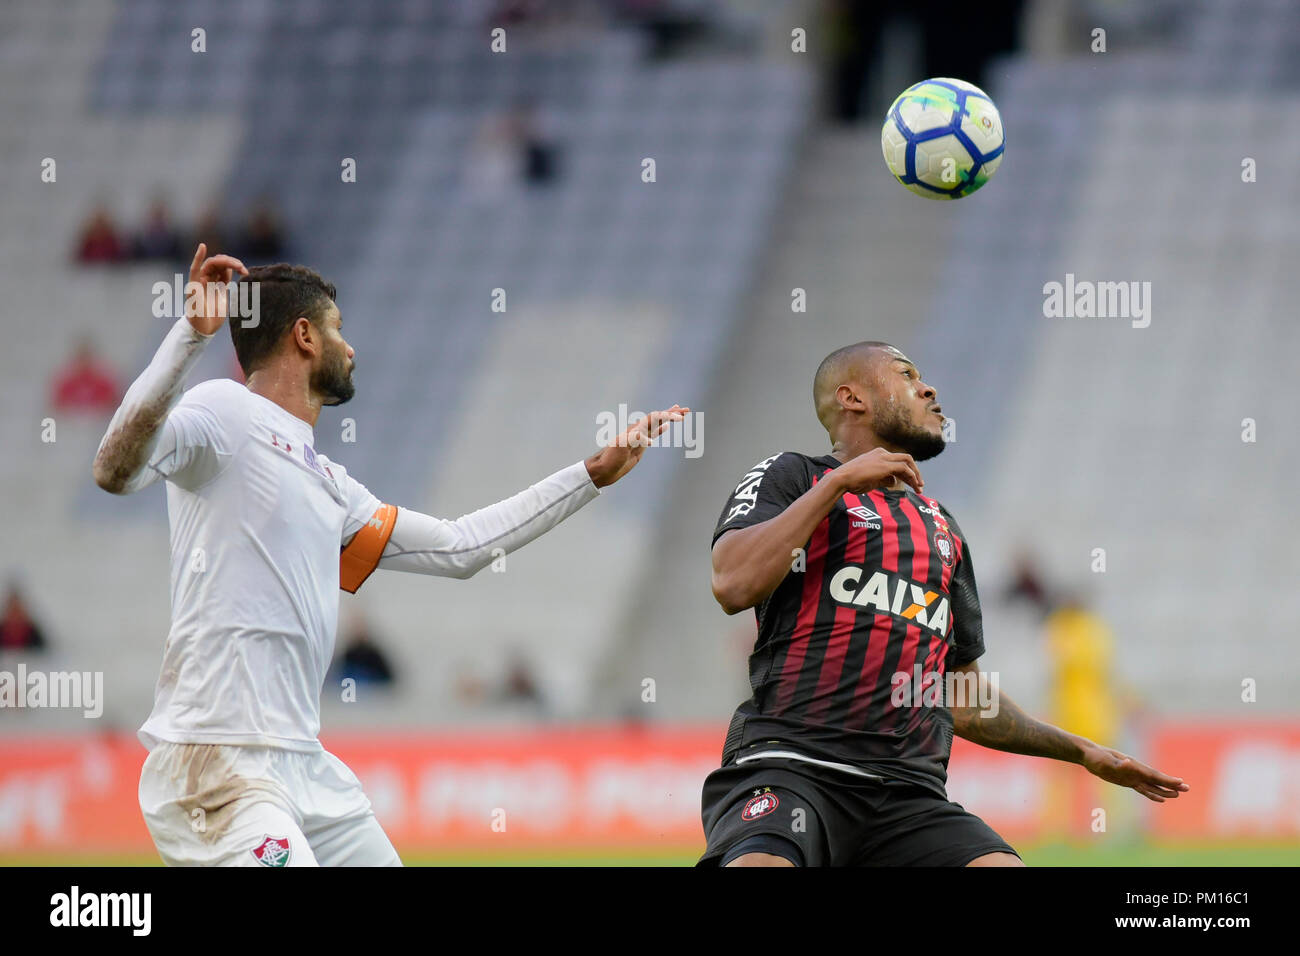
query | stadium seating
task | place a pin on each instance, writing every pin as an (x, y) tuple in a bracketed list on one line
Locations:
[(1062, 424), (589, 263), (619, 290)]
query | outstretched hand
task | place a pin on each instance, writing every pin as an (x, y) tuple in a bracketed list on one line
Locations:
[(614, 461), (1122, 770)]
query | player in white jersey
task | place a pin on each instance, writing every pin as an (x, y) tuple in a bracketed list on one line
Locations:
[(264, 533)]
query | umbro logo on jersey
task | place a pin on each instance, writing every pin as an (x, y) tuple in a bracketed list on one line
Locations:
[(887, 593), (866, 518)]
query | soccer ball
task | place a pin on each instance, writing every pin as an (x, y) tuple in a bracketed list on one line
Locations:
[(942, 138)]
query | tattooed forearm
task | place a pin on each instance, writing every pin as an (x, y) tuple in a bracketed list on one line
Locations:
[(133, 432), (126, 446), (1014, 731)]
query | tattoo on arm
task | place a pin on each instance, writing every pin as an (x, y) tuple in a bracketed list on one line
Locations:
[(1014, 731), (126, 447)]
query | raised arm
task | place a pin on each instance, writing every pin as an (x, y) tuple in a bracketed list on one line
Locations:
[(460, 548), (1001, 725), (423, 544), (750, 563), (134, 431)]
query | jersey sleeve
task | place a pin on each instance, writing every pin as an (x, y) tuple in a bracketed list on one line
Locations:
[(194, 445), (361, 505), (460, 548), (967, 620), (367, 527), (764, 492), (189, 441)]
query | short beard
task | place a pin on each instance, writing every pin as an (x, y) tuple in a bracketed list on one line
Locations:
[(895, 430), (333, 380)]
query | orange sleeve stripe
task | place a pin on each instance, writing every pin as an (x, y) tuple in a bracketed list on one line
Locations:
[(363, 552)]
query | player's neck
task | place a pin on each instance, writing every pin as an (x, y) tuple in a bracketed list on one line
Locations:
[(846, 449), (290, 394)]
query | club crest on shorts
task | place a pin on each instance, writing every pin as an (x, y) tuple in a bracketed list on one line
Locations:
[(943, 544), (272, 851), (760, 804)]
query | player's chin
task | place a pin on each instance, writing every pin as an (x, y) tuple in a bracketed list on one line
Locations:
[(339, 396), (927, 445)]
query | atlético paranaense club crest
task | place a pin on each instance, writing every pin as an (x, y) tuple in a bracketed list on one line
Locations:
[(273, 851), (762, 803), (942, 540), (943, 544)]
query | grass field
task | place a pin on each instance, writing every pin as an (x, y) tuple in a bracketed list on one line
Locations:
[(1034, 855)]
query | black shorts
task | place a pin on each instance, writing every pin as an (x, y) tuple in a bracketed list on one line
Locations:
[(820, 816)]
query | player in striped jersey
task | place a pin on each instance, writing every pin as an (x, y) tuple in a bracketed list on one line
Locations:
[(869, 636)]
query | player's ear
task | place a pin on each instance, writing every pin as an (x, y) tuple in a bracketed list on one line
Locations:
[(305, 333), (852, 398)]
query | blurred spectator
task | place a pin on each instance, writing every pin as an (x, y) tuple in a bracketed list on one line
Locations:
[(209, 230), (508, 13), (100, 240), (262, 240), (1084, 703), (470, 688), (158, 238), (510, 149), (540, 159), (493, 164), (520, 685), (17, 629), (1082, 648), (671, 27), (1027, 584), (85, 383), (363, 661)]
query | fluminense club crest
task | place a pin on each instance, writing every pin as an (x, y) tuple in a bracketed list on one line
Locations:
[(273, 851)]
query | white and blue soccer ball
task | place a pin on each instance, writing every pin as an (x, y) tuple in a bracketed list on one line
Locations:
[(943, 138)]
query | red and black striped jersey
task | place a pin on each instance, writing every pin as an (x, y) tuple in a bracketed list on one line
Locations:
[(852, 646)]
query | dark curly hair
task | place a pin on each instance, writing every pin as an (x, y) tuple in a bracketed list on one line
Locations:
[(285, 294)]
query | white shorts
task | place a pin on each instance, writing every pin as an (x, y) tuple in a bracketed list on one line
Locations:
[(218, 805)]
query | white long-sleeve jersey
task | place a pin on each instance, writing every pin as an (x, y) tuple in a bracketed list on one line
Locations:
[(258, 519)]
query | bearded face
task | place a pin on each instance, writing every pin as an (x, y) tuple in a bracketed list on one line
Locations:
[(333, 377), (894, 426)]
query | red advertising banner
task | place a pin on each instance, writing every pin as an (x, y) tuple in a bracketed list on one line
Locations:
[(1246, 777), (71, 794), (571, 788), (602, 787)]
